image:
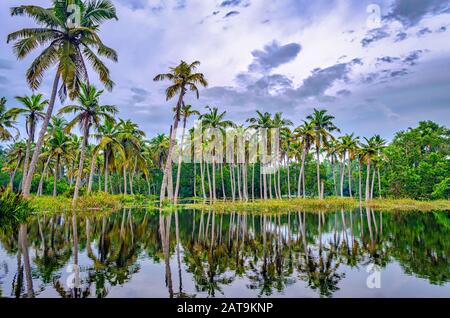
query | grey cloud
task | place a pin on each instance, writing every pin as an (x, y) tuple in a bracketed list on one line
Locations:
[(423, 31), (400, 36), (272, 84), (230, 3), (274, 55), (411, 12), (322, 79), (139, 95), (387, 59), (343, 92), (398, 73), (373, 36), (231, 14), (412, 58), (442, 29)]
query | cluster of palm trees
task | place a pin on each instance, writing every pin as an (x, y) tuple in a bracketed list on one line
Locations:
[(121, 148)]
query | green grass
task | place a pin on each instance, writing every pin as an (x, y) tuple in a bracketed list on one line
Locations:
[(327, 204)]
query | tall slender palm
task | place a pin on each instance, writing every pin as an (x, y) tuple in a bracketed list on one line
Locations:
[(261, 121), (186, 112), (183, 77), (89, 114), (282, 124), (346, 146), (323, 126), (32, 108), (67, 45), (369, 152), (380, 144), (59, 144), (305, 133), (7, 121), (15, 154), (108, 136)]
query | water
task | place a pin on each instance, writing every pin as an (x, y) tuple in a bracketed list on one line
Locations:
[(138, 253)]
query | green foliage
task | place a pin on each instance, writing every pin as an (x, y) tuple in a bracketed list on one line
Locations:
[(14, 209), (417, 162), (442, 190)]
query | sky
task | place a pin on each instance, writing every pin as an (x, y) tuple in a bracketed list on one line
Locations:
[(377, 66)]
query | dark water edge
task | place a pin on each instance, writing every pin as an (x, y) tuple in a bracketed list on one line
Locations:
[(143, 253)]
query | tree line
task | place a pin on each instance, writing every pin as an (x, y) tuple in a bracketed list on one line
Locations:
[(114, 155)]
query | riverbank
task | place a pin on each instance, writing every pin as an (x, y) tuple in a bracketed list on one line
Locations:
[(327, 204), (108, 202)]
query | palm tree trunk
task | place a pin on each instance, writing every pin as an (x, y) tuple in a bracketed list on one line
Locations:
[(360, 181), (379, 182), (368, 182), (44, 172), (180, 156), (11, 178), (106, 170), (91, 172), (209, 182), (302, 172), (27, 153), (26, 187), (168, 166), (288, 178), (223, 182), (342, 176), (195, 177), (334, 176), (125, 182), (350, 178), (202, 177), (253, 182), (232, 183), (318, 172), (55, 176), (373, 183), (81, 165)]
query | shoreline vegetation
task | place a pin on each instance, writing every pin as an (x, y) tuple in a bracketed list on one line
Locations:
[(108, 203)]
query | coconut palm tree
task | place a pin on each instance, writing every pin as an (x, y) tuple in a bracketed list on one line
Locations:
[(369, 152), (186, 112), (323, 127), (183, 77), (346, 146), (108, 135), (282, 124), (305, 133), (88, 114), (67, 45), (59, 143), (215, 120), (15, 154), (32, 108), (261, 121), (7, 121)]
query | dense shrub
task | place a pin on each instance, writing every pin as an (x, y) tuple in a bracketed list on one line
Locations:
[(14, 208)]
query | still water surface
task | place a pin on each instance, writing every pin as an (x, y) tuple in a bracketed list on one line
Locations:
[(142, 253)]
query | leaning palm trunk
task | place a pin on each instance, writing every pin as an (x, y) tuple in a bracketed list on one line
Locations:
[(368, 182), (26, 258), (80, 166), (26, 187)]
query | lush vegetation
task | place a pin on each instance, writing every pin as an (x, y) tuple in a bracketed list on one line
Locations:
[(114, 156), (14, 209)]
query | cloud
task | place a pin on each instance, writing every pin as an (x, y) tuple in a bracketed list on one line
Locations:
[(400, 36), (272, 84), (343, 92), (322, 79), (274, 55), (231, 14), (374, 36), (230, 3), (411, 12), (423, 32), (387, 59), (412, 58), (139, 95)]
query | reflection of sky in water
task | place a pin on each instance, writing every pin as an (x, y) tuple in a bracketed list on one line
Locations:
[(399, 277)]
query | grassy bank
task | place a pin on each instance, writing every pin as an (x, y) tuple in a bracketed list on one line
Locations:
[(328, 204)]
